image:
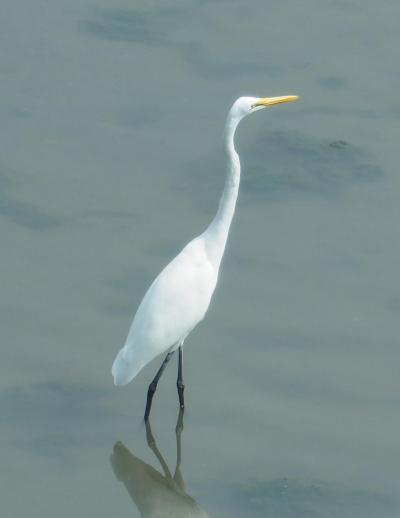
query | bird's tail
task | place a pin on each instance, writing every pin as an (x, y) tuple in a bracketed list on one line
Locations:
[(125, 368)]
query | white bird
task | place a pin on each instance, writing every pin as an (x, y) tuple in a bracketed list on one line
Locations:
[(179, 297)]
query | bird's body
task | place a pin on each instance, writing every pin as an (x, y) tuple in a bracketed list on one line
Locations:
[(174, 304), (179, 297)]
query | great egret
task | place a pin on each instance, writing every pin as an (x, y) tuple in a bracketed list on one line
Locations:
[(179, 297), (156, 495)]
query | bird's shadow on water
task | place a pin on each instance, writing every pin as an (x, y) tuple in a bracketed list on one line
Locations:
[(155, 493)]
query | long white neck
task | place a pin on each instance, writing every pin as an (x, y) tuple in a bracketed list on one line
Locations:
[(216, 234)]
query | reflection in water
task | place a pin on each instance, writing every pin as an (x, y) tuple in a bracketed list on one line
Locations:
[(155, 494)]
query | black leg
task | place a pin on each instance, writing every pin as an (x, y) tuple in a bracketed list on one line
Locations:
[(153, 385), (179, 383)]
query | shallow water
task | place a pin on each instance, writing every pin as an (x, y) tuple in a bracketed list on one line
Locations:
[(111, 130)]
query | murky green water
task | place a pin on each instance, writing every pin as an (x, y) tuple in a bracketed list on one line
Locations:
[(111, 122)]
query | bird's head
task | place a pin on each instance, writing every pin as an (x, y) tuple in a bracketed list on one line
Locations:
[(246, 105)]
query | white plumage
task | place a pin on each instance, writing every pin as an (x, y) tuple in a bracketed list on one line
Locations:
[(179, 297)]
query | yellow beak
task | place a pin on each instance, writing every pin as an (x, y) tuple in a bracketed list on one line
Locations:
[(269, 101)]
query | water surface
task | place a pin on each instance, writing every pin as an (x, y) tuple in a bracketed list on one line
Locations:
[(111, 122)]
